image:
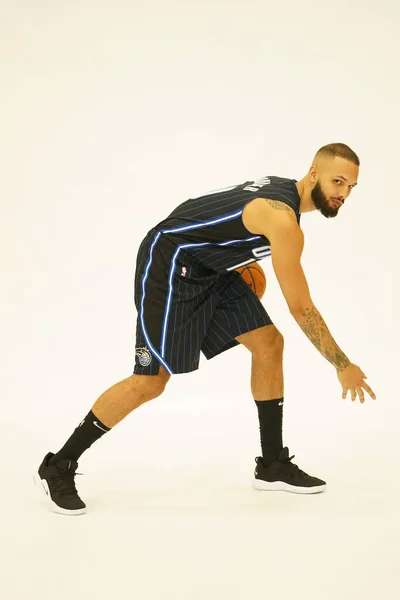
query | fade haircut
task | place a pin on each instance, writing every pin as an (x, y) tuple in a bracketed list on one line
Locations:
[(330, 151)]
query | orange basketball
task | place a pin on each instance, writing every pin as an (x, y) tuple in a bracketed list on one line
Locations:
[(254, 276)]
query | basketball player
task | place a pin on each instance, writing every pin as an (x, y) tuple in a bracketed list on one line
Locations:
[(191, 299)]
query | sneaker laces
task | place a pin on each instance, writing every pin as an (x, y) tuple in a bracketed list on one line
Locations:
[(63, 482), (293, 466)]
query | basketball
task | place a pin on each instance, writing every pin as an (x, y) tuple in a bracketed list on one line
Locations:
[(254, 276)]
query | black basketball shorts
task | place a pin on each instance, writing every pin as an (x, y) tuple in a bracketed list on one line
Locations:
[(184, 308)]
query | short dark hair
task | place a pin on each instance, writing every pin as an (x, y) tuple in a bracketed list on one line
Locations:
[(340, 150)]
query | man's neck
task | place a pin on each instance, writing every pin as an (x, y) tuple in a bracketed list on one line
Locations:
[(306, 204)]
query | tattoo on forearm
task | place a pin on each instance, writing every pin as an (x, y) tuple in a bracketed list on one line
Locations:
[(318, 333), (278, 205)]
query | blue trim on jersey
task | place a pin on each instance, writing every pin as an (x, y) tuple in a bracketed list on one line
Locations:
[(272, 190), (172, 272), (154, 351), (275, 187), (250, 239), (246, 262), (228, 217)]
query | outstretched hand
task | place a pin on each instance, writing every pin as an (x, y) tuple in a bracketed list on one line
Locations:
[(352, 378)]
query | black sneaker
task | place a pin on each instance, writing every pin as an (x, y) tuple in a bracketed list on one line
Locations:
[(284, 475), (57, 483)]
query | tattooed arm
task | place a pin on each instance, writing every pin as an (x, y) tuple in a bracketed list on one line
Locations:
[(315, 328), (286, 249), (277, 221)]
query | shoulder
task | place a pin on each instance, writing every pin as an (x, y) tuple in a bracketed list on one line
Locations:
[(264, 214)]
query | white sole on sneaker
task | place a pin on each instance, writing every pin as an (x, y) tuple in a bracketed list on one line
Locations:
[(274, 486), (41, 485)]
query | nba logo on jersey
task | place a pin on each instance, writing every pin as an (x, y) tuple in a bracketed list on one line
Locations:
[(144, 356), (183, 272)]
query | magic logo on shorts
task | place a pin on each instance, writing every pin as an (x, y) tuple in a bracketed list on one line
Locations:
[(144, 356)]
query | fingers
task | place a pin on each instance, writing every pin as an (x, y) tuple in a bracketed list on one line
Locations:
[(360, 393), (368, 389), (358, 390), (353, 393), (366, 386)]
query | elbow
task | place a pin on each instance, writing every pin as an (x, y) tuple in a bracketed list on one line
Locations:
[(300, 308)]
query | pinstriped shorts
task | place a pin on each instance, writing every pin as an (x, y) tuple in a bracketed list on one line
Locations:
[(185, 308)]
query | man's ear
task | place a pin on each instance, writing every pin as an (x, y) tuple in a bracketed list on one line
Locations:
[(313, 174)]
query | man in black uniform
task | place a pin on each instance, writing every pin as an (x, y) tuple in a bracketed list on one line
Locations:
[(190, 299)]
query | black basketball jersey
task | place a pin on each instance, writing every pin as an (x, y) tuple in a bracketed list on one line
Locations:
[(210, 227)]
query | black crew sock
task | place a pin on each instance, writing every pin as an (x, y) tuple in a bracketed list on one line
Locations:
[(87, 432), (270, 414)]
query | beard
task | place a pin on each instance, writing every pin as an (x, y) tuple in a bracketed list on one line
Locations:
[(321, 202)]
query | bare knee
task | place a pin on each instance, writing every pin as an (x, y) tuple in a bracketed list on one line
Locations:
[(269, 349), (150, 386), (265, 342), (159, 381)]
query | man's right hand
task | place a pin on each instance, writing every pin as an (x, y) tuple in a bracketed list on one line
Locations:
[(352, 378)]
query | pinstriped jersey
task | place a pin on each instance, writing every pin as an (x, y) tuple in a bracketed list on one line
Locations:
[(210, 228)]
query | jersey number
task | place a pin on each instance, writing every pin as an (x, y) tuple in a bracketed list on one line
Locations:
[(261, 251)]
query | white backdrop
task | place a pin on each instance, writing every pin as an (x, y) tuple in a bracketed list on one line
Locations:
[(112, 113)]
